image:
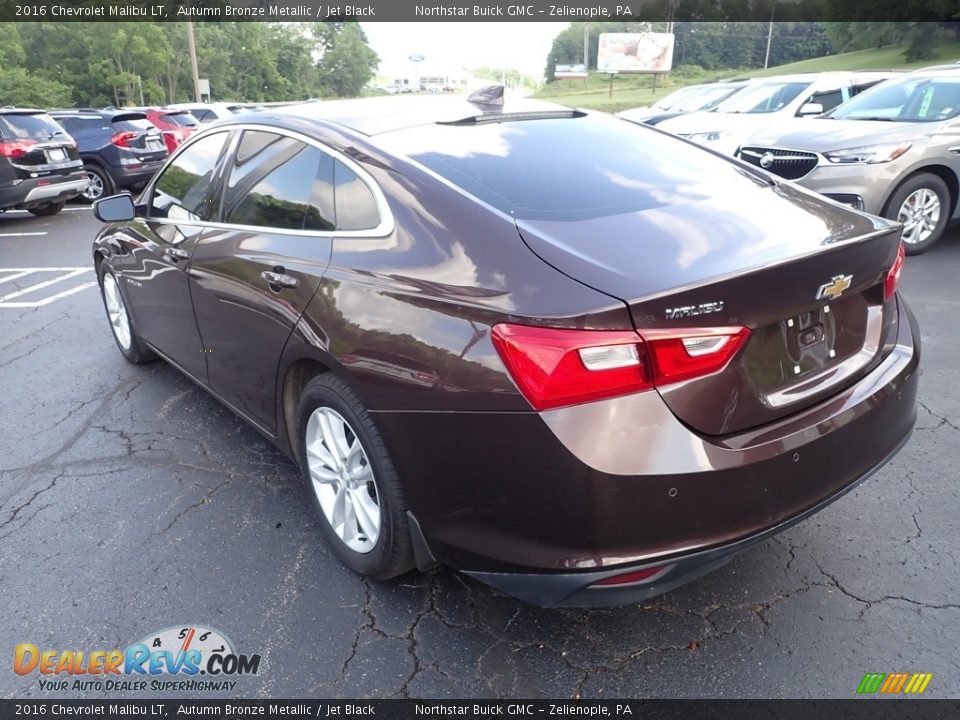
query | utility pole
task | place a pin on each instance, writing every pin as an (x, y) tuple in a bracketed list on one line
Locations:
[(766, 60), (586, 46), (191, 44)]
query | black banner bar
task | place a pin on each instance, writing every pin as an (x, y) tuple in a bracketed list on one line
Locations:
[(461, 10), (857, 709)]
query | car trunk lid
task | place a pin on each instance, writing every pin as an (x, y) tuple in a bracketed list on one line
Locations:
[(804, 275)]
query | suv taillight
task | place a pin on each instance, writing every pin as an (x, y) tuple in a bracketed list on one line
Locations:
[(15, 148), (553, 368), (122, 139), (893, 276)]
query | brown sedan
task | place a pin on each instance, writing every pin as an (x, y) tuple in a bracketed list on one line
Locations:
[(578, 359)]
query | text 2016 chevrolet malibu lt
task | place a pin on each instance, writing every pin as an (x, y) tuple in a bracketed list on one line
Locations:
[(578, 359)]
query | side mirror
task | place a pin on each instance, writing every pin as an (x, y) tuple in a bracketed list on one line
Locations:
[(116, 208), (810, 109)]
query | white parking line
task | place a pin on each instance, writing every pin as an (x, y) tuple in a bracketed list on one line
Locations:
[(20, 234), (42, 269), (41, 303), (15, 276), (68, 273), (69, 209)]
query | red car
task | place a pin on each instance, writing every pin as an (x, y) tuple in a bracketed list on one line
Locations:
[(176, 125)]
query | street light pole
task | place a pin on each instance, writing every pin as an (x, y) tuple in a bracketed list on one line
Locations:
[(586, 46), (766, 59), (193, 62)]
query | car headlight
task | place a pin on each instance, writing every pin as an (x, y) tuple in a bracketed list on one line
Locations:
[(868, 154), (708, 138)]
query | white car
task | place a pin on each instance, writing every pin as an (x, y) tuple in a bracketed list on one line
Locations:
[(210, 112), (766, 102)]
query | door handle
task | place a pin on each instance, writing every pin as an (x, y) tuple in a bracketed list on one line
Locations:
[(278, 280), (176, 254)]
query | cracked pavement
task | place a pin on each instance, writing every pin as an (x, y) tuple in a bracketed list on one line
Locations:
[(131, 501)]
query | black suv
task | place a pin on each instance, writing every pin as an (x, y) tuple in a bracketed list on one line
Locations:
[(120, 149), (40, 168)]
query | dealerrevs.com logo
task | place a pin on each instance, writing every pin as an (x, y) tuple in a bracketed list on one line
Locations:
[(187, 658)]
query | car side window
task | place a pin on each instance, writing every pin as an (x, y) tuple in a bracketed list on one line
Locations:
[(356, 206), (828, 99), (271, 182), (183, 190)]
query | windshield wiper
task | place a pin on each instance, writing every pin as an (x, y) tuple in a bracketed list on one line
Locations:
[(884, 119)]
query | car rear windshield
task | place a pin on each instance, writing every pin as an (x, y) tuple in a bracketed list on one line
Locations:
[(184, 119), (561, 169), (134, 125), (32, 126), (906, 99)]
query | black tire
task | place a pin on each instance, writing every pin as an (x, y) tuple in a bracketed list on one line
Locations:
[(100, 182), (391, 554), (921, 181), (47, 210), (137, 353)]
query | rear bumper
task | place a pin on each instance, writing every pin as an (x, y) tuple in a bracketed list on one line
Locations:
[(40, 191), (580, 589), (543, 506), (133, 176)]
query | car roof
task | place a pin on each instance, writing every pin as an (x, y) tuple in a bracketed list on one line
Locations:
[(112, 115), (938, 70), (372, 116), (831, 75), (10, 110)]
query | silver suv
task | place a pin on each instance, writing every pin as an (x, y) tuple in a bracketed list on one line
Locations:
[(893, 150)]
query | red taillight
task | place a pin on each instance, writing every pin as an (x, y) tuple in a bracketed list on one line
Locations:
[(122, 139), (170, 139), (15, 148), (688, 353), (893, 276), (549, 367), (553, 368), (630, 577)]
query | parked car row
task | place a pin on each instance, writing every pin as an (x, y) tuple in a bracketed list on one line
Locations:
[(48, 157), (882, 142)]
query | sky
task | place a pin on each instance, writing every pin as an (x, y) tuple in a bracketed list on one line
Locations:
[(448, 47)]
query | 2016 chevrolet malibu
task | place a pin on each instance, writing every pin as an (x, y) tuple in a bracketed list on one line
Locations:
[(578, 359)]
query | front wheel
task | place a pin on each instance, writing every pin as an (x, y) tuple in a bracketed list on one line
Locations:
[(129, 343), (47, 210), (354, 486), (922, 205)]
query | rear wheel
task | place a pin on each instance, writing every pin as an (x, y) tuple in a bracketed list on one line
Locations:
[(100, 184), (47, 210), (352, 481), (126, 337), (922, 204)]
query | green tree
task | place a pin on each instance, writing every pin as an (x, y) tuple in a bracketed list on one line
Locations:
[(19, 87), (348, 61)]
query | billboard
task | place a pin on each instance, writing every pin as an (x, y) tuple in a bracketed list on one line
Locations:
[(570, 71), (635, 52)]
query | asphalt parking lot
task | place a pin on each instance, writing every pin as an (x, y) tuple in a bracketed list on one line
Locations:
[(131, 501)]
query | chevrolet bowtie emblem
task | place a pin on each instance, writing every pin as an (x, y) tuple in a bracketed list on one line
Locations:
[(834, 289)]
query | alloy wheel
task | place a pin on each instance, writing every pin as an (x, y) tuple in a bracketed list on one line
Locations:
[(94, 190), (919, 214), (116, 311), (343, 480)]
